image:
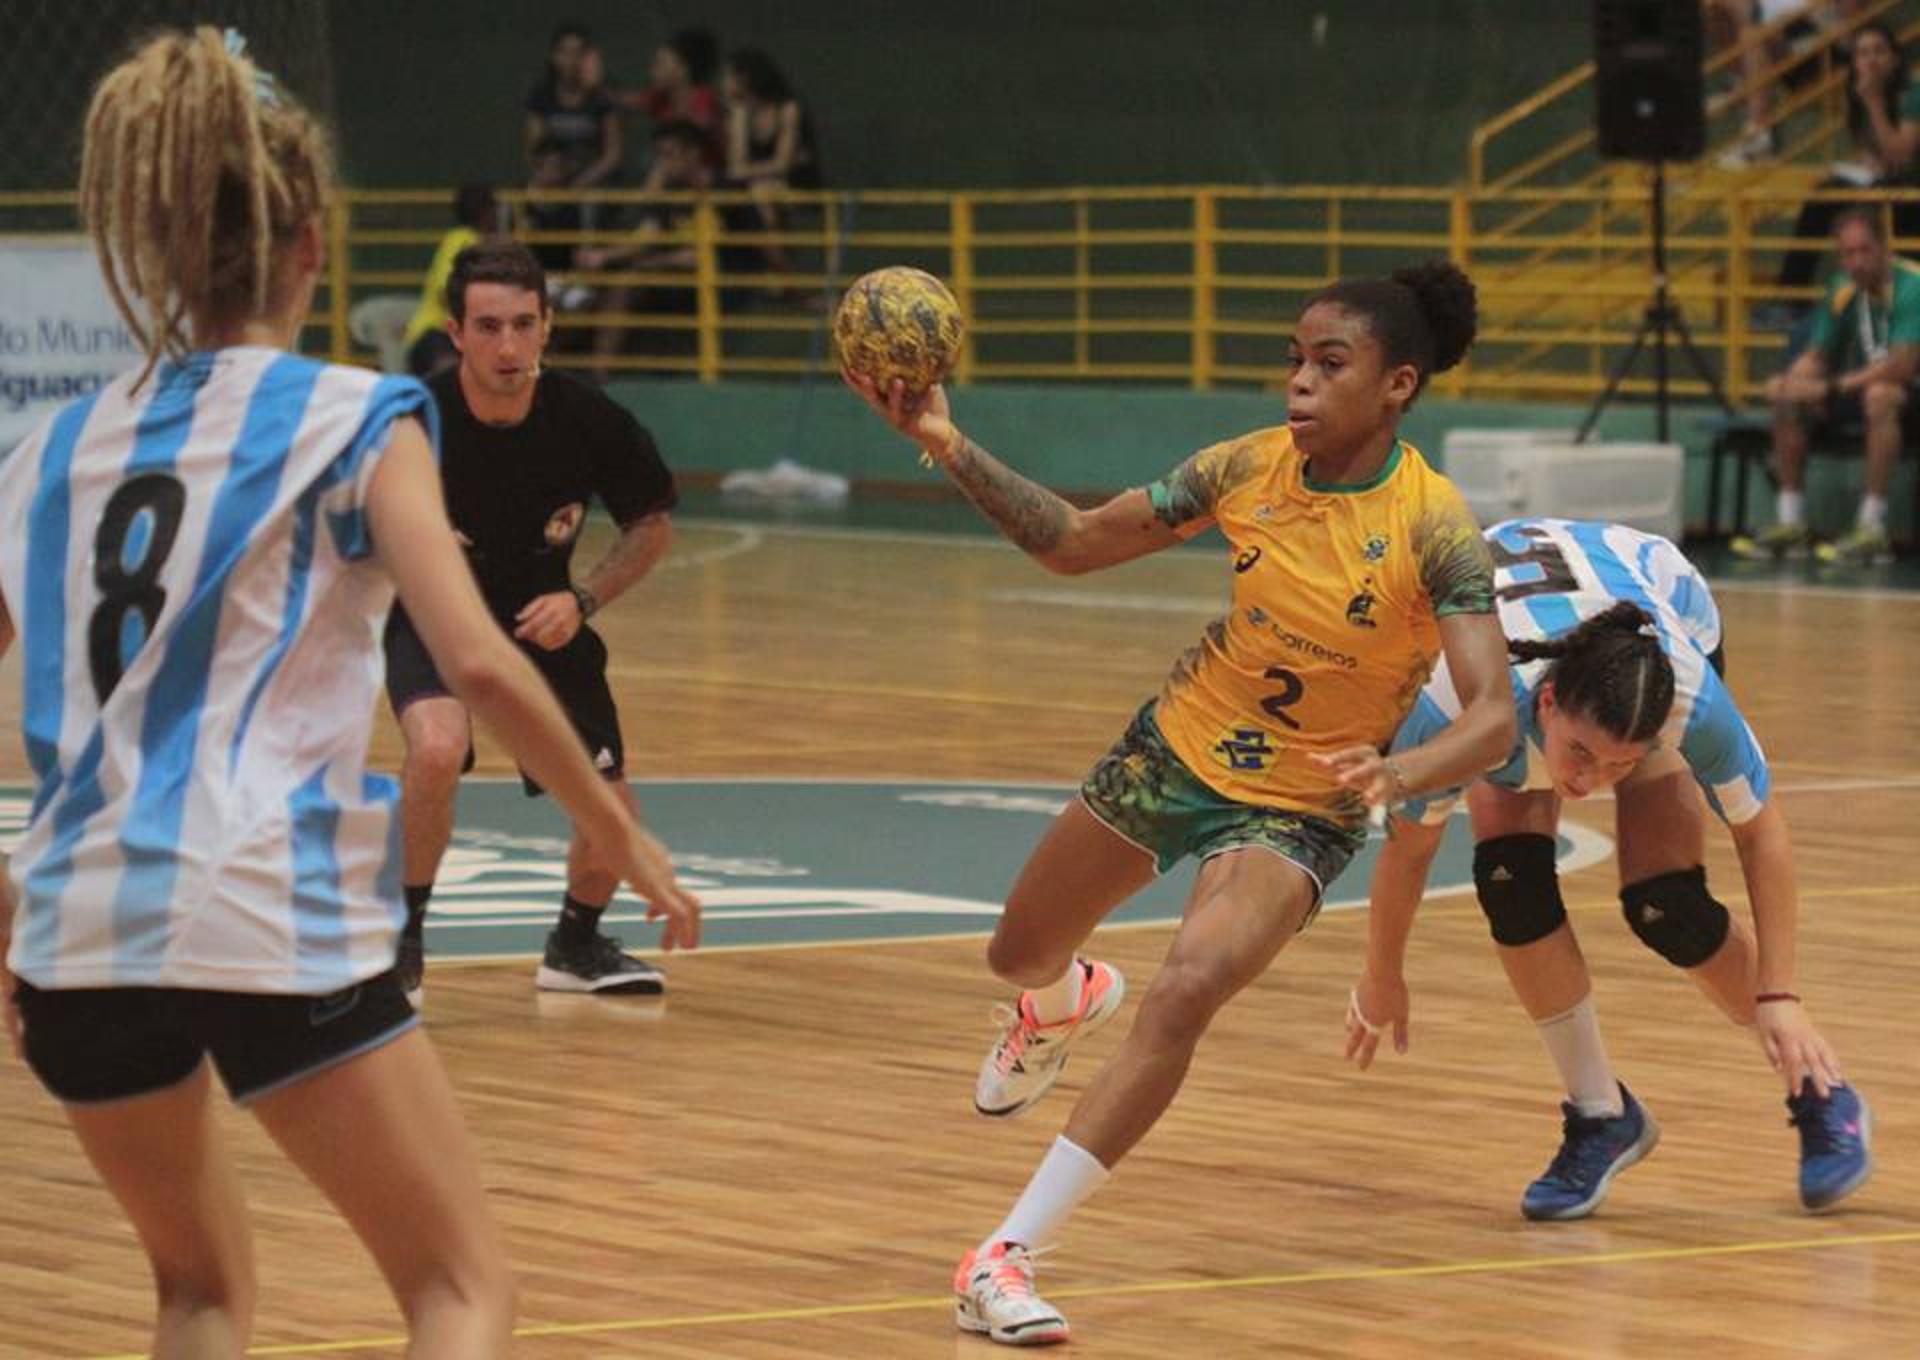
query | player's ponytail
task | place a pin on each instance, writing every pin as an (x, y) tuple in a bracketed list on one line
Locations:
[(1611, 670), (197, 167), (1425, 314)]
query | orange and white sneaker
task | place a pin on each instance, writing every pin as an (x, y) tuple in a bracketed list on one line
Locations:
[(993, 1293), (1029, 1056)]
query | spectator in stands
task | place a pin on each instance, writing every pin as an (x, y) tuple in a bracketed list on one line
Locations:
[(1858, 367), (551, 162), (1883, 116), (770, 144), (657, 244), (429, 347), (557, 258), (680, 88), (1731, 23), (570, 111), (1798, 27)]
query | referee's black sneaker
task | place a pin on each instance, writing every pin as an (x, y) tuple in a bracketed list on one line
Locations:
[(601, 967)]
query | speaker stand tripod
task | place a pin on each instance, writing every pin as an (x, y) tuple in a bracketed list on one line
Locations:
[(1660, 317)]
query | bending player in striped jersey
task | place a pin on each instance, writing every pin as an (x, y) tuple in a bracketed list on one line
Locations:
[(1354, 566), (1618, 684), (200, 558)]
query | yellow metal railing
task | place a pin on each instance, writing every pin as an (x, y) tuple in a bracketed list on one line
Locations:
[(1806, 118), (1196, 286), (1570, 159)]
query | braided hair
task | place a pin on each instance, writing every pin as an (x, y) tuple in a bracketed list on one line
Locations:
[(196, 169), (1610, 670)]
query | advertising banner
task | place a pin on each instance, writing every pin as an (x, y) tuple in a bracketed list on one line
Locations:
[(60, 337)]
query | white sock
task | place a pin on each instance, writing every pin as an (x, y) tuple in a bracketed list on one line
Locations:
[(1067, 1175), (1573, 1039), (1873, 512), (1789, 507), (1059, 1000)]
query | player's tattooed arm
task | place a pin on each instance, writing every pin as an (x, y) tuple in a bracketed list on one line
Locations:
[(1062, 537), (1034, 519), (641, 545)]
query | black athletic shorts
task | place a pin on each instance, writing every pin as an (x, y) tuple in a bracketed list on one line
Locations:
[(94, 1044), (1845, 413), (576, 673)]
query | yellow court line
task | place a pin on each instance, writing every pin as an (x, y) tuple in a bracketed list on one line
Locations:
[(1491, 1266)]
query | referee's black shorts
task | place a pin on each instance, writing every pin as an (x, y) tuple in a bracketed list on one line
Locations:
[(577, 674)]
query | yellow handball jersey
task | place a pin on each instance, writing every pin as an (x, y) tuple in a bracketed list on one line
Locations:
[(1336, 595)]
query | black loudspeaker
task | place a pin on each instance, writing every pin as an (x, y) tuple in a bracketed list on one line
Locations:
[(1651, 98)]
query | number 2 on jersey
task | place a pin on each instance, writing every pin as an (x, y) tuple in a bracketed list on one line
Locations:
[(137, 531), (1275, 706)]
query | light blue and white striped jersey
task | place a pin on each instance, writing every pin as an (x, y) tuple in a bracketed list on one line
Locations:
[(189, 569), (1551, 575)]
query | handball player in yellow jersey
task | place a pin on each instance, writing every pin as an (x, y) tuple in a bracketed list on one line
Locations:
[(1355, 567)]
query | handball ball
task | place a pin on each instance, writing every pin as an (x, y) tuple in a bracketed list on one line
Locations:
[(898, 323)]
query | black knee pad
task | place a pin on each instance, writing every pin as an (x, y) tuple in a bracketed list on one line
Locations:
[(1676, 917), (1519, 887)]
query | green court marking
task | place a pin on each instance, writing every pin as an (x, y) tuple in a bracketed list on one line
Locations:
[(786, 862)]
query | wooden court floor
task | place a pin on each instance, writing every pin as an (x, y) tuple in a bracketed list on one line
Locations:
[(782, 1161)]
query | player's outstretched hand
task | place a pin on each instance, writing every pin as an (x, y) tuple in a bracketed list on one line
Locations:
[(1364, 770), (923, 417), (1795, 1047), (644, 865), (1374, 1007)]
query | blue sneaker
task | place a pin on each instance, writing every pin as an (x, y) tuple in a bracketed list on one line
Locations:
[(1835, 1133), (1593, 1150)]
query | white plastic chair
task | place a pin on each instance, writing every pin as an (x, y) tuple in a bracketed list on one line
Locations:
[(380, 323)]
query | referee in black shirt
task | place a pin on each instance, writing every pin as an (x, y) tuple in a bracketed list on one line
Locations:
[(522, 454)]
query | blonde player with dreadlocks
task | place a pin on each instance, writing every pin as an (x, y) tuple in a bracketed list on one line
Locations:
[(199, 558)]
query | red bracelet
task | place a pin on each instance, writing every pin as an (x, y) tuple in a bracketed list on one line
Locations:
[(1765, 997)]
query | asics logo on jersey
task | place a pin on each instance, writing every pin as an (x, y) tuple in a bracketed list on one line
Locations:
[(1245, 558), (1358, 609), (1245, 748)]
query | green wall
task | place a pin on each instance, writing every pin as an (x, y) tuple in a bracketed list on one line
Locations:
[(911, 93), (1094, 440), (1071, 436), (907, 92)]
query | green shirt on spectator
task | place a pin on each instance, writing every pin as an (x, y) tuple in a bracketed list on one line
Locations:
[(1852, 329)]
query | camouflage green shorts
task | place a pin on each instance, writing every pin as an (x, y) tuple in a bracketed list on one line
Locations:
[(1146, 793)]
